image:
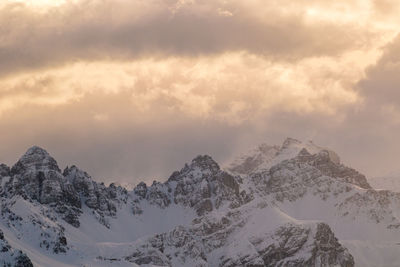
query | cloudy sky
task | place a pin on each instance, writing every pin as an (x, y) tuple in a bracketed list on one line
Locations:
[(130, 90)]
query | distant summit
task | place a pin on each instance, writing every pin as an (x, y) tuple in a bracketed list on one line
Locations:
[(265, 156)]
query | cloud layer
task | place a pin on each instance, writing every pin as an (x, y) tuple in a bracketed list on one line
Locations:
[(133, 89), (126, 30)]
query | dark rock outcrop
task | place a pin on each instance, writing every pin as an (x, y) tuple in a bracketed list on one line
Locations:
[(37, 177), (324, 163), (295, 245), (201, 185), (289, 245), (4, 170)]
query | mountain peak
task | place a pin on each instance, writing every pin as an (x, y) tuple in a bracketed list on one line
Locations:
[(36, 158), (290, 142), (202, 164), (265, 156), (205, 162), (36, 150)]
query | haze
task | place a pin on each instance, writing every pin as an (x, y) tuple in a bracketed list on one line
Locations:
[(131, 90)]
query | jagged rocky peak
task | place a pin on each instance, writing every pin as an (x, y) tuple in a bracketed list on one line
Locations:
[(202, 165), (204, 186), (323, 156), (95, 195), (205, 162), (201, 185), (264, 156), (36, 175), (254, 159), (35, 159), (289, 142), (141, 190), (328, 166), (79, 178)]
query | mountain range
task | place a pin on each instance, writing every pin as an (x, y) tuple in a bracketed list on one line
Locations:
[(293, 204)]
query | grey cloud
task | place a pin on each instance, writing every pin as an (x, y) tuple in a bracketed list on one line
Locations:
[(107, 135), (373, 127), (381, 85), (93, 31)]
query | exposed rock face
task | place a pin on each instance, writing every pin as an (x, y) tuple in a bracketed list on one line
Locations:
[(328, 251), (295, 245), (248, 216), (169, 249), (36, 176), (204, 186), (378, 206), (289, 245), (35, 159), (141, 190), (250, 163), (11, 257), (4, 171), (292, 179), (323, 162), (201, 185), (264, 156), (103, 200), (317, 175)]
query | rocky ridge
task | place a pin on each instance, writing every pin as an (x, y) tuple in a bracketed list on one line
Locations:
[(36, 177), (255, 213), (201, 185)]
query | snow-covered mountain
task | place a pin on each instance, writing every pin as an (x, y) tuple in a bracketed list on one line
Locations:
[(288, 205), (265, 156)]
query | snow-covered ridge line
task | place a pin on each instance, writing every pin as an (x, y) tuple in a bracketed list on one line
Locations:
[(265, 156), (297, 206)]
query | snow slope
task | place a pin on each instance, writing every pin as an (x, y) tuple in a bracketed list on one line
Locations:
[(288, 205)]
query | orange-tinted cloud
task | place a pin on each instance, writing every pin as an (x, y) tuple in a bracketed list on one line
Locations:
[(116, 85), (125, 30)]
